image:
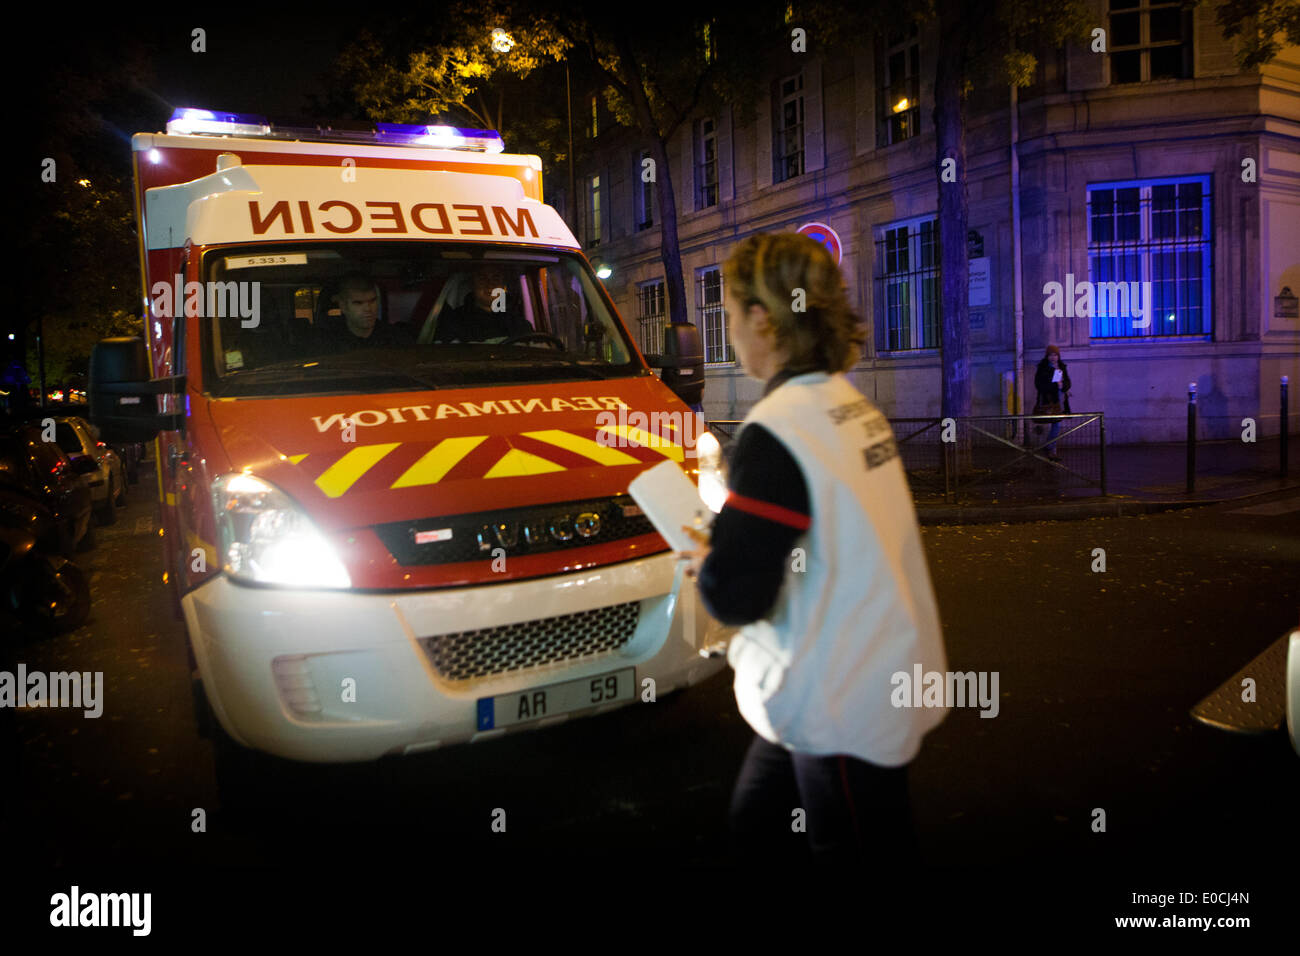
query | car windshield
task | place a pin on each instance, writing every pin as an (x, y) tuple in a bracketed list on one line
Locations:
[(329, 317)]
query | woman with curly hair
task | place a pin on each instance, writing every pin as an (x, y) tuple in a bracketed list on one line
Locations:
[(817, 553)]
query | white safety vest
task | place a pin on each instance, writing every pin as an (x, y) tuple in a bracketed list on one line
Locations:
[(817, 675)]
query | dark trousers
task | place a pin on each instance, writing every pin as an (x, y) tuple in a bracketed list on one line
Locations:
[(852, 810)]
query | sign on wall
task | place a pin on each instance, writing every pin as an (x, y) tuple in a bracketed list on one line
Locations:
[(826, 236), (980, 289)]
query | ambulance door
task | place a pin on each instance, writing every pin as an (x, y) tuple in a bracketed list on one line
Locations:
[(173, 473), (195, 553)]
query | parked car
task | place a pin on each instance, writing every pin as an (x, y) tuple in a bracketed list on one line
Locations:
[(42, 591), (77, 437), (59, 483)]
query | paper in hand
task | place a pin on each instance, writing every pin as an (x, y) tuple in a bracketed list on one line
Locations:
[(670, 500), (1057, 376)]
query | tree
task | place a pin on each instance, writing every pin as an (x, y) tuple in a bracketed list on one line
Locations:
[(982, 44), (655, 72), (78, 266), (478, 67), (658, 71), (1259, 23)]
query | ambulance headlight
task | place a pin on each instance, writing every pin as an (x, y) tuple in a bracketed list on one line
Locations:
[(267, 539), (713, 475)]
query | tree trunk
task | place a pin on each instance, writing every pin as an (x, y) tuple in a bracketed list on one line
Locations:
[(669, 248), (954, 267)]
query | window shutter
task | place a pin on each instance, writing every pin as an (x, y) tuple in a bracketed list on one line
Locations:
[(864, 102), (763, 147), (687, 202), (814, 130), (726, 183)]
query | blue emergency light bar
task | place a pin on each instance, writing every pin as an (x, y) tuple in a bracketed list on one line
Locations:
[(187, 122)]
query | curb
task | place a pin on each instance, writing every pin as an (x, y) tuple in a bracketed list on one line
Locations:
[(1109, 507)]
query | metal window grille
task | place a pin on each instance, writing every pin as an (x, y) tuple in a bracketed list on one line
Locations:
[(900, 90), (787, 154), (712, 316), (1157, 232), (1149, 40), (907, 284), (644, 193), (651, 315)]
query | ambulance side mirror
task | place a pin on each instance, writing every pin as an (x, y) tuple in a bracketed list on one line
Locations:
[(123, 394), (682, 361)]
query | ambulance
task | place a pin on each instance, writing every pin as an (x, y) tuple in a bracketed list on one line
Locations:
[(396, 416)]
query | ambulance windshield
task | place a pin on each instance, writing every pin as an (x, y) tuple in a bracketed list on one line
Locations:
[(377, 316)]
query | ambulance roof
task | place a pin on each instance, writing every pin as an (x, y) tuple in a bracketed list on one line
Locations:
[(274, 203)]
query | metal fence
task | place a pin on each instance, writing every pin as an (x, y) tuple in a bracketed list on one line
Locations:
[(999, 457), (1004, 456)]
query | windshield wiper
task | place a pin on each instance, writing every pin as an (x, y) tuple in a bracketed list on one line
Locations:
[(296, 372)]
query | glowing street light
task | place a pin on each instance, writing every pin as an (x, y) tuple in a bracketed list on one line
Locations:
[(502, 42)]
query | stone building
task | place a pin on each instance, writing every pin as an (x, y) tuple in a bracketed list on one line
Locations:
[(1157, 168)]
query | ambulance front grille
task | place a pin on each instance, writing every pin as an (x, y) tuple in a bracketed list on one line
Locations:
[(489, 651), (478, 536)]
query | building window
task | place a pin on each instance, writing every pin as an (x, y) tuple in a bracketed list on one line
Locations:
[(594, 128), (787, 150), (706, 164), (643, 196), (898, 102), (709, 38), (651, 314), (1150, 258), (593, 222), (1149, 40), (712, 316), (907, 284)]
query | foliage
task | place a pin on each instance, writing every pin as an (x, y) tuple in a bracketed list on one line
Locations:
[(1259, 23)]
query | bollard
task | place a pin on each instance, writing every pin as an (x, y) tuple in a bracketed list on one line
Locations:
[(1191, 437), (1283, 422)]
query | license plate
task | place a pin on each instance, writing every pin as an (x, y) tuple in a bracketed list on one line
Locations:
[(551, 700)]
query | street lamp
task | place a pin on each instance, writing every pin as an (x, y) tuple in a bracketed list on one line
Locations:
[(502, 42)]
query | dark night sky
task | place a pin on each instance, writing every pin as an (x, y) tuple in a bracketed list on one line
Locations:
[(254, 63)]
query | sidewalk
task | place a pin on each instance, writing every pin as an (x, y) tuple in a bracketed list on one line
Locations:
[(1139, 478)]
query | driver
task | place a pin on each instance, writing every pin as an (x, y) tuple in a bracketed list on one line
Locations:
[(477, 320)]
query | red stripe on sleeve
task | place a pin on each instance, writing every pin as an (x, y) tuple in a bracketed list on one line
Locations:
[(765, 509)]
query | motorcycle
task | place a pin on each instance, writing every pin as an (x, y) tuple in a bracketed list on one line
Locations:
[(40, 587)]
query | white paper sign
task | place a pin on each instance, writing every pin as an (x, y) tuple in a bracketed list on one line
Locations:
[(670, 500), (980, 288)]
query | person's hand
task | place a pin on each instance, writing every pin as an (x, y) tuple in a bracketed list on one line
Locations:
[(698, 554)]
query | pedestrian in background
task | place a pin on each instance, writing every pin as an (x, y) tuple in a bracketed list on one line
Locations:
[(817, 552), (1053, 384)]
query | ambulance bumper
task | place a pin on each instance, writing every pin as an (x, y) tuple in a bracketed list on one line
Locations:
[(343, 676)]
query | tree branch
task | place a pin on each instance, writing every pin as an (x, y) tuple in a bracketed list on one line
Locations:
[(694, 101)]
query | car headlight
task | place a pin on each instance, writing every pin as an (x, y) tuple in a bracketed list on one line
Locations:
[(713, 475), (268, 539)]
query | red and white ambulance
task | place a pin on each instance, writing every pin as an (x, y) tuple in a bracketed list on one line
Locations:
[(396, 418)]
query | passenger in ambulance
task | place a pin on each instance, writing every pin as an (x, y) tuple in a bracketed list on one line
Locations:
[(359, 322), (490, 314)]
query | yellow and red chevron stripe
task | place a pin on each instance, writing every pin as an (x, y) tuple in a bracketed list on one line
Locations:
[(412, 464)]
